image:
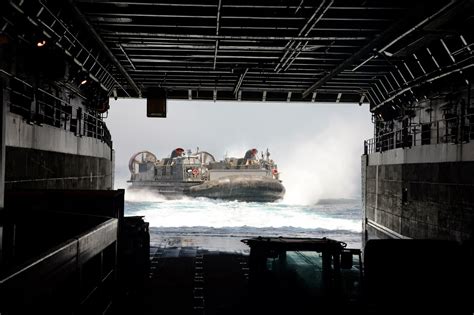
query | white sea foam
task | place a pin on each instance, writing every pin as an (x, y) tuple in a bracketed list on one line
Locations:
[(219, 214)]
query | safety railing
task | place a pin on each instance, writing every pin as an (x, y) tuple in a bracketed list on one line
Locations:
[(454, 129), (38, 106)]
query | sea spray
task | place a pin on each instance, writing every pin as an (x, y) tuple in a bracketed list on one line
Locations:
[(144, 195), (323, 165)]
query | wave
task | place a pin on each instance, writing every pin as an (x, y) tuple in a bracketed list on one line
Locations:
[(287, 231), (233, 214), (230, 238), (338, 201)]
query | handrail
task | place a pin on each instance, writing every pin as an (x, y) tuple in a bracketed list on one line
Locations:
[(41, 107), (458, 129)]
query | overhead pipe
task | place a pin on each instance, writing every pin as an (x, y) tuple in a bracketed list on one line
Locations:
[(280, 65), (291, 59), (126, 56), (299, 7), (320, 17), (239, 82), (294, 58), (291, 42), (217, 32)]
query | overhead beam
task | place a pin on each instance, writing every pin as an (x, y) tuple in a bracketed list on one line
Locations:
[(251, 6), (82, 19), (174, 16), (218, 17), (233, 37), (378, 41), (4, 99), (126, 56), (289, 45), (292, 58), (231, 17), (239, 82)]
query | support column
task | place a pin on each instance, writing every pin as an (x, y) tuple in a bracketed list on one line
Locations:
[(3, 111), (364, 163)]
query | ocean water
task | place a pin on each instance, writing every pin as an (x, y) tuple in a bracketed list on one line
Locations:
[(221, 225)]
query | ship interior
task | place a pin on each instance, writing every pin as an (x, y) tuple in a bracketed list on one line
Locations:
[(66, 246)]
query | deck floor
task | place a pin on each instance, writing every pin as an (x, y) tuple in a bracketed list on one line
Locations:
[(189, 280)]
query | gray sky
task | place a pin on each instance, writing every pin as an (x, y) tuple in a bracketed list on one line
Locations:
[(316, 145)]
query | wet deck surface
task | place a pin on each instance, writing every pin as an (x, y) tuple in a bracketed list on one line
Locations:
[(189, 280)]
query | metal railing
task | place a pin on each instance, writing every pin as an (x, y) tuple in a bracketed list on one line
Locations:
[(38, 106), (457, 129)]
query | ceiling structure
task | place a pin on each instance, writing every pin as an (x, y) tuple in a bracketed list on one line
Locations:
[(292, 50)]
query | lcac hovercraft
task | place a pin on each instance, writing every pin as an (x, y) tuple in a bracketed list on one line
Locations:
[(200, 175)]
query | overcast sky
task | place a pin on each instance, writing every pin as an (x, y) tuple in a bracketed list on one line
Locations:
[(317, 146)]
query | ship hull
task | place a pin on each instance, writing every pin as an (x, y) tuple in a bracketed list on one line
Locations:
[(240, 188), (258, 189)]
